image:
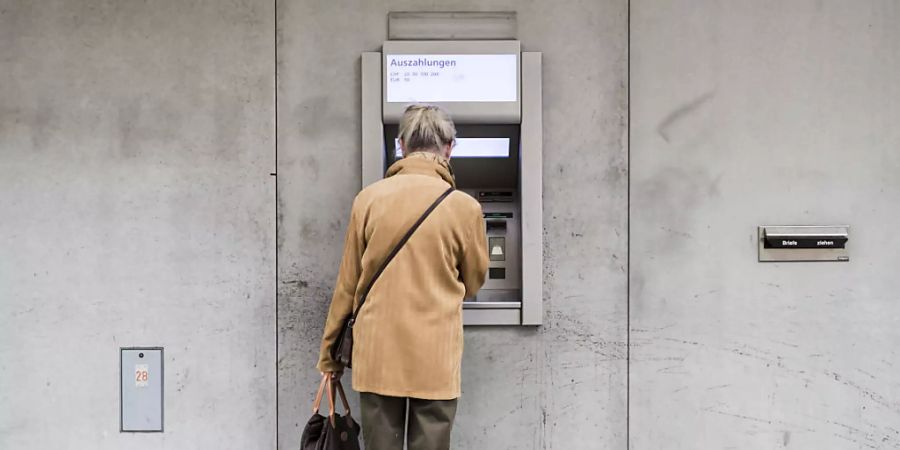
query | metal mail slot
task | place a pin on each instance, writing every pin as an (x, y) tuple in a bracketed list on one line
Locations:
[(804, 243), (805, 237)]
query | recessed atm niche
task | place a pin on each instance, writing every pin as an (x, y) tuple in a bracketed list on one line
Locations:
[(493, 92)]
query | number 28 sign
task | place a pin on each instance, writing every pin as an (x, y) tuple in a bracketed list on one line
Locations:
[(141, 375)]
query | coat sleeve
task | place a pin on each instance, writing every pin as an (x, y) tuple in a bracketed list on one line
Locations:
[(344, 292), (474, 264)]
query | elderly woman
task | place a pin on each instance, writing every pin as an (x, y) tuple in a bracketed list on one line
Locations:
[(407, 337)]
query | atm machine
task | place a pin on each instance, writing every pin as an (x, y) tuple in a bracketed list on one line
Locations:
[(492, 90)]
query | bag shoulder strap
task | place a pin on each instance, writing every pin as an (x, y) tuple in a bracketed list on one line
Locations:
[(393, 253)]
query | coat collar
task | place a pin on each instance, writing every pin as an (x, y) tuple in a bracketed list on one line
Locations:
[(423, 163)]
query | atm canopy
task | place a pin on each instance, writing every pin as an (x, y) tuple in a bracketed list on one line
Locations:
[(476, 81)]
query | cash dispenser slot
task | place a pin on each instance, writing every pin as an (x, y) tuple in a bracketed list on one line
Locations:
[(495, 226), (803, 243)]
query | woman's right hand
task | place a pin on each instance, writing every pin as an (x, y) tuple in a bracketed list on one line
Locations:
[(335, 376)]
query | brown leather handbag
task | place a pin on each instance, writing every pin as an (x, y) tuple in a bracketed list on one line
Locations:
[(342, 349), (335, 432)]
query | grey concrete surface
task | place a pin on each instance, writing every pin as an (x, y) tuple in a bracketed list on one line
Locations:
[(561, 386), (137, 141), (136, 145), (753, 113)]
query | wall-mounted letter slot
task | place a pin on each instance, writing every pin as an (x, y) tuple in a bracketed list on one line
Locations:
[(804, 243)]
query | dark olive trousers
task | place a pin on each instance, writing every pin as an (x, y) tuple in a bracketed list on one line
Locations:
[(384, 422)]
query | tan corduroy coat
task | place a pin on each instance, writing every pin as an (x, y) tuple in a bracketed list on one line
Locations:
[(407, 340)]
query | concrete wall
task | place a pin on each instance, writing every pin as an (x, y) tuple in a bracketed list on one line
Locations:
[(136, 208), (753, 113), (561, 386), (137, 141)]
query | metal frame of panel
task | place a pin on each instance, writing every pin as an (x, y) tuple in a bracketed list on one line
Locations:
[(446, 25), (492, 316), (529, 114), (372, 124), (531, 190)]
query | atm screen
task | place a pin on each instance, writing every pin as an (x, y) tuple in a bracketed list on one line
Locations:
[(471, 148), (485, 156), (451, 78)]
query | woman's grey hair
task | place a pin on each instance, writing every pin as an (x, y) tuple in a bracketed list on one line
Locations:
[(426, 128)]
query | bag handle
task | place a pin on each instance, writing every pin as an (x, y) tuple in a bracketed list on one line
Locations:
[(340, 389), (330, 400), (318, 402), (365, 293), (331, 385)]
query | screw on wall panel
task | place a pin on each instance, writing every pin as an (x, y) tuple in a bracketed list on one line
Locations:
[(140, 355)]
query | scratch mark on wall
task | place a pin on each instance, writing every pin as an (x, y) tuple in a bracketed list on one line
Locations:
[(760, 420), (682, 112)]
